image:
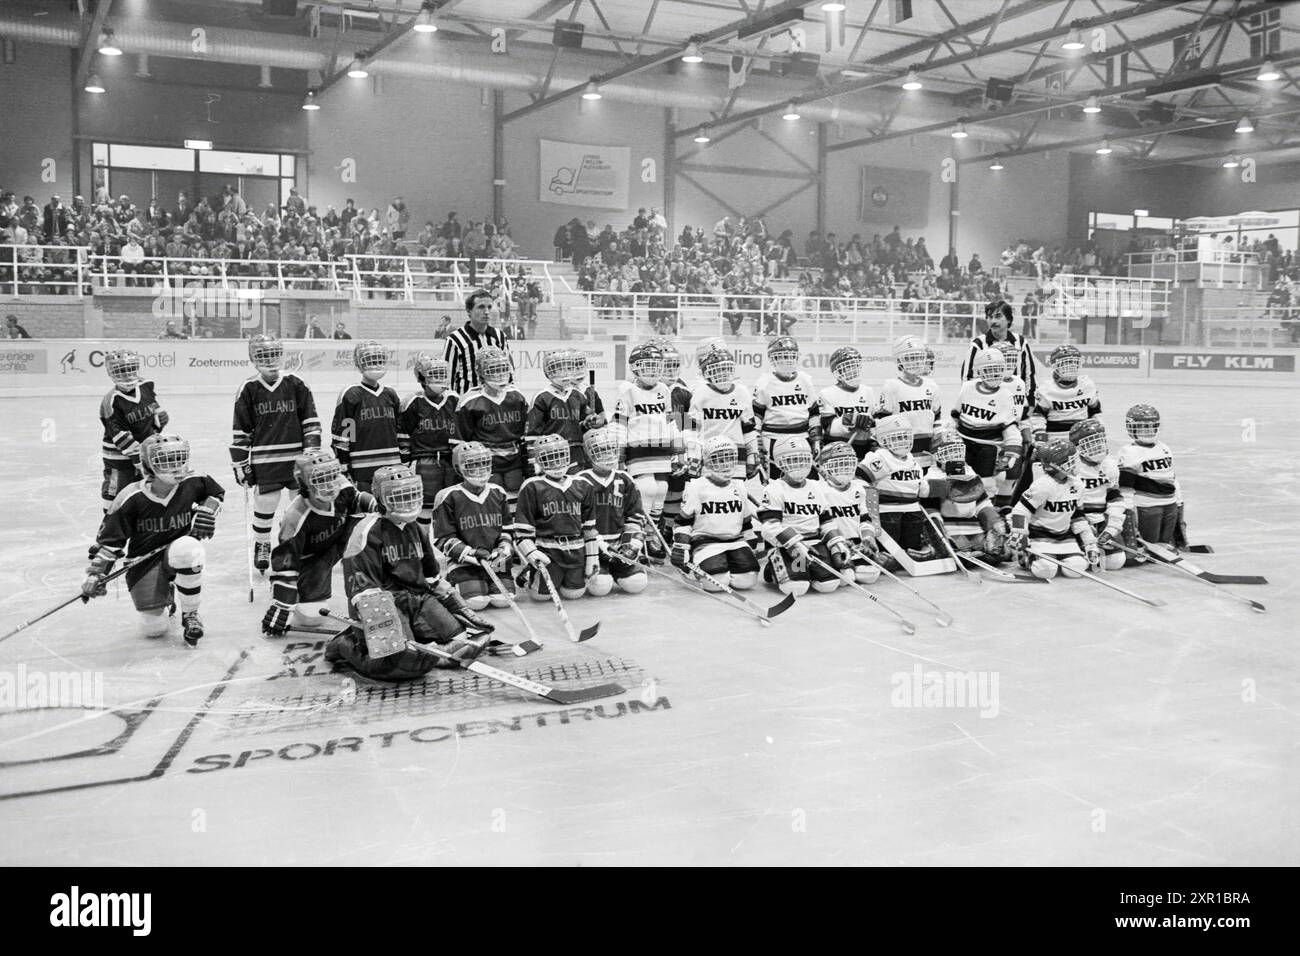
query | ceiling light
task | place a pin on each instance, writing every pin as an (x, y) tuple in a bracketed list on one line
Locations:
[(790, 113), (960, 131), (309, 102), (911, 81), (1104, 149), (1232, 162), (1269, 73), (358, 69), (692, 54), (1072, 42), (424, 21), (1245, 126), (702, 135), (832, 8), (107, 45), (591, 91), (1206, 119), (93, 85), (996, 164), (1092, 106)]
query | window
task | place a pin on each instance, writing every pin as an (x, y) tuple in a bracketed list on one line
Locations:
[(1265, 32), (150, 157), (1110, 220), (239, 164)]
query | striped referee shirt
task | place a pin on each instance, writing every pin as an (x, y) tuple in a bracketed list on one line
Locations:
[(462, 350), (1025, 369)]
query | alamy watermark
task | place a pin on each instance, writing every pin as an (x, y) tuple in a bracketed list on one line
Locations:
[(946, 689), (75, 908), (23, 689)]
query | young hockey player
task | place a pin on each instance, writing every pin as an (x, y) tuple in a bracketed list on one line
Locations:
[(275, 421), (365, 418), (716, 519), (647, 436), (846, 524), (900, 483), (847, 408), (1049, 517), (170, 508), (494, 414), (1103, 502), (1020, 399), (1068, 398), (555, 525), (1148, 482), (618, 510), (394, 587), (721, 406), (426, 430), (471, 526), (130, 413), (564, 407), (790, 519), (914, 395), (985, 414), (785, 403), (313, 532), (680, 403), (970, 520)]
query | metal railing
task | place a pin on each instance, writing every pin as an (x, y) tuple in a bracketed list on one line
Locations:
[(1080, 296), (1216, 268), (1243, 328), (32, 269)]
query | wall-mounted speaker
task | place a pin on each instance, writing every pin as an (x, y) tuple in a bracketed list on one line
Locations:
[(568, 34)]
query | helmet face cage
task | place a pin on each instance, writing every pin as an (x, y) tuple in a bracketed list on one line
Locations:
[(123, 366), (647, 364), (493, 366), (1066, 363), (718, 367), (990, 367), (846, 366), (949, 452), (794, 458), (472, 461), (837, 463), (577, 365), (602, 448), (895, 436), (1009, 356), (783, 353), (324, 478), (1060, 457), (913, 361), (402, 495), (719, 458), (1142, 423), (1090, 438), (672, 364), (371, 358), (266, 352), (433, 372), (552, 454), (166, 457)]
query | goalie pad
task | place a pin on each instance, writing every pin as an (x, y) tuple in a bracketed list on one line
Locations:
[(383, 626)]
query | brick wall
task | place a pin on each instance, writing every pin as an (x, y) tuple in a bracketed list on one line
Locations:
[(48, 317)]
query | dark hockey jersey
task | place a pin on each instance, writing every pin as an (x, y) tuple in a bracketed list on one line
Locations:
[(556, 514), (382, 554), (138, 521), (467, 520), (617, 505), (273, 424), (129, 417), (496, 422), (365, 429), (306, 531), (555, 413), (426, 427)]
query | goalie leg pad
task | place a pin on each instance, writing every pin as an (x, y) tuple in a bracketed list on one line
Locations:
[(407, 664), (384, 628), (476, 602), (778, 571)]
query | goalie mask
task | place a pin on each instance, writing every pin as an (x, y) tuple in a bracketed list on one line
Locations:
[(846, 366), (1142, 422), (1057, 458), (910, 354), (371, 358), (602, 448), (793, 456), (1089, 436), (989, 366), (718, 457), (950, 455), (837, 463), (472, 461), (319, 475), (647, 364), (894, 432), (400, 491), (166, 457), (493, 366), (783, 354), (552, 455), (718, 367), (432, 372), (123, 367), (266, 352), (1066, 360)]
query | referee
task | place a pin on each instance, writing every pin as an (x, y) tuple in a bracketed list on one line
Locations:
[(999, 317), (463, 343)]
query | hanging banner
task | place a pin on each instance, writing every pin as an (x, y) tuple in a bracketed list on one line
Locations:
[(574, 174)]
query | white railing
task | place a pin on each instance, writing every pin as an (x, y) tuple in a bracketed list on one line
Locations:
[(32, 269), (1265, 327), (1216, 268), (1079, 296)]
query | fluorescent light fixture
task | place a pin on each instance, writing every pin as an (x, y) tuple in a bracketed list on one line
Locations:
[(424, 21), (702, 135), (1072, 42), (911, 81), (107, 44), (1092, 106), (1232, 162), (960, 131), (358, 69), (832, 8), (1269, 73), (1245, 126), (791, 114), (198, 144), (309, 102), (93, 85), (1206, 119), (692, 53), (1104, 149), (1141, 212), (591, 91), (996, 164)]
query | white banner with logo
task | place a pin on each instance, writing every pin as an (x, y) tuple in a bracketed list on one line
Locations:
[(575, 174)]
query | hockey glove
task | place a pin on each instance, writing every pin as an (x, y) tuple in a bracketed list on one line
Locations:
[(1007, 458), (500, 557), (629, 550), (1180, 530), (1094, 556), (797, 550), (479, 556), (94, 586), (1018, 548), (204, 523), (456, 606), (591, 566), (592, 422), (1108, 540), (243, 474), (869, 547), (841, 553), (537, 560), (161, 418), (995, 542), (678, 466), (276, 619), (681, 555)]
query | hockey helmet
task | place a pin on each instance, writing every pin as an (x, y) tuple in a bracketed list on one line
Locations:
[(493, 366), (472, 461), (989, 366), (949, 453), (1142, 422), (837, 463), (846, 366), (1010, 355), (1089, 436), (166, 457), (793, 456), (672, 361), (601, 446), (123, 366), (647, 364), (718, 367), (1066, 360), (370, 358), (399, 490), (718, 457), (783, 353), (909, 353), (1057, 456), (266, 352), (894, 432), (318, 474), (432, 372), (552, 455)]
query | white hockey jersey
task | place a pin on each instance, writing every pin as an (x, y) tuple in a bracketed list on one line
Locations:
[(785, 407)]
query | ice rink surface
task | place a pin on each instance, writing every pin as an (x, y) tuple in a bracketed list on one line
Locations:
[(1118, 733)]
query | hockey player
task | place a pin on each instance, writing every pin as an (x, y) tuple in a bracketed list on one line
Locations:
[(426, 430), (723, 407), (970, 520), (1020, 398), (715, 522), (785, 403), (130, 413), (563, 408), (1103, 502), (555, 525), (790, 518), (1068, 398), (1148, 482), (494, 414), (648, 438), (847, 408), (846, 524), (900, 483), (275, 421), (914, 395), (680, 403), (170, 508), (313, 532), (985, 414), (1049, 516), (390, 553), (365, 418), (471, 526), (618, 510)]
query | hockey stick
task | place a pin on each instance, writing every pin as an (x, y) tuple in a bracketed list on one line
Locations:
[(552, 591), (780, 607), (937, 528), (699, 589), (248, 542), (1153, 602), (505, 677), (908, 626), (1000, 575), (1176, 564), (134, 562), (1199, 549), (944, 619), (523, 647), (1163, 552)]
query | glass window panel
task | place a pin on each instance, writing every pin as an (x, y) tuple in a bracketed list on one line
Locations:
[(239, 164), (285, 186), (1107, 220), (151, 157), (99, 154), (286, 165)]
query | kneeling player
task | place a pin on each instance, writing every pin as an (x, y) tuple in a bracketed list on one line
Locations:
[(1148, 482), (313, 533), (715, 521), (894, 473), (846, 523), (555, 525), (146, 516), (617, 504), (471, 526), (1049, 516), (391, 553), (791, 522), (970, 520), (1103, 502)]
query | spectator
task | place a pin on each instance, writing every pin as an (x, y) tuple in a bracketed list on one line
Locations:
[(974, 267), (1029, 311), (13, 330), (463, 343), (563, 246), (171, 332), (445, 329), (341, 331), (398, 217), (55, 219), (295, 205), (312, 330), (475, 244), (451, 231), (950, 262)]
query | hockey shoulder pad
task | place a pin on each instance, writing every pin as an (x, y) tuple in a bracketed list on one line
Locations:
[(384, 627)]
